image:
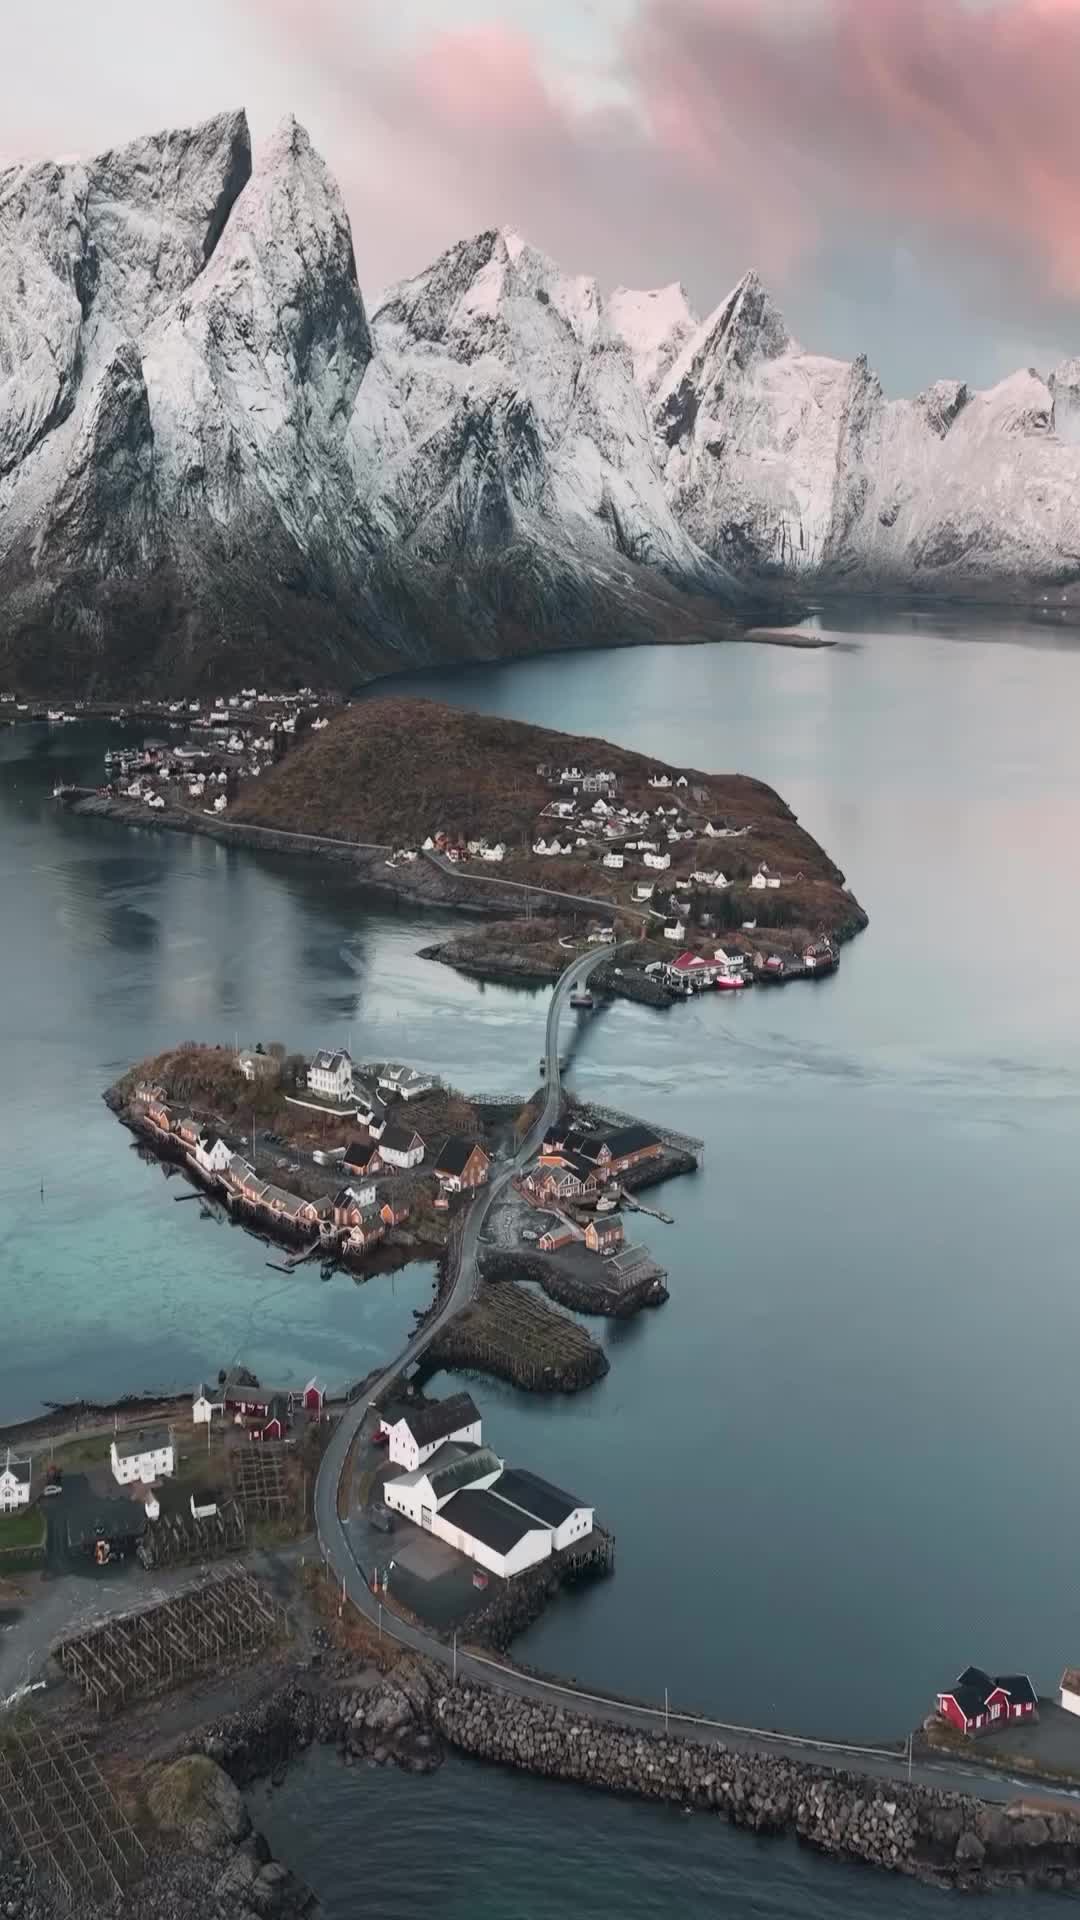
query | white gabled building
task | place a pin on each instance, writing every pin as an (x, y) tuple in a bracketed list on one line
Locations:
[(615, 860), (203, 1408), (661, 861), (143, 1456), (408, 1082), (14, 1483), (504, 1519), (416, 1435), (210, 1155), (331, 1072)]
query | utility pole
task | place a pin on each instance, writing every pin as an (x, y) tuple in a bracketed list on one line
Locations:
[(455, 1656), (665, 1709)]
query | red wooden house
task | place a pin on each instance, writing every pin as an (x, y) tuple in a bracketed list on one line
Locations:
[(980, 1702), (461, 1164), (604, 1234), (313, 1397)]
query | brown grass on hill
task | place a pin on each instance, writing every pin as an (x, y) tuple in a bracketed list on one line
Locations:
[(394, 769)]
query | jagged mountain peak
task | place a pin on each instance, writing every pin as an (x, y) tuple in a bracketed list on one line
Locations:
[(208, 461)]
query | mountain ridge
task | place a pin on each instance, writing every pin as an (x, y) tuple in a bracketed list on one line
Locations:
[(214, 460)]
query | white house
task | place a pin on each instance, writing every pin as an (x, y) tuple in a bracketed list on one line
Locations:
[(406, 1081), (644, 890), (143, 1456), (204, 1503), (600, 937), (331, 1072), (763, 878), (504, 1519), (659, 780), (657, 860), (758, 882), (682, 781), (203, 1408), (541, 846), (220, 803), (14, 1483), (417, 1434), (1069, 1690), (211, 1155), (674, 930), (497, 852), (615, 860), (401, 1147), (420, 1494)]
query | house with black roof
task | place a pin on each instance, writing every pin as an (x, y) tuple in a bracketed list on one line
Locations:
[(461, 1165), (362, 1157), (417, 1434), (401, 1147), (497, 1535), (980, 1702)]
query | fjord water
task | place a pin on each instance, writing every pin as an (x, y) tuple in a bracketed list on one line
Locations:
[(840, 1463)]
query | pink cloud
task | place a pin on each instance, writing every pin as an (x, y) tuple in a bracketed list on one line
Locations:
[(751, 135)]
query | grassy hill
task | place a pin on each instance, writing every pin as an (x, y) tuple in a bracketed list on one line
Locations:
[(395, 769)]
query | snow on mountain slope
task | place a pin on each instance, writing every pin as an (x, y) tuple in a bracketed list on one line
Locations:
[(654, 326), (211, 462), (508, 404)]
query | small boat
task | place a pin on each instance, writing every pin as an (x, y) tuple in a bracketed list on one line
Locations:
[(583, 999), (729, 982)]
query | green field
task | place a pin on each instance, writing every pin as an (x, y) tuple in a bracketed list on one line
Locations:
[(23, 1529)]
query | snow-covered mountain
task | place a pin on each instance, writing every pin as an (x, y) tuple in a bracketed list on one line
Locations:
[(212, 459)]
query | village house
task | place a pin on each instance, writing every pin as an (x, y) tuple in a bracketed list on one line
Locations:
[(692, 967), (393, 1213), (313, 1397), (599, 782), (159, 1116), (661, 861), (557, 1233), (367, 1232), (142, 1456), (644, 890), (763, 878), (504, 1519), (461, 1165), (401, 1147), (407, 1082), (1069, 1690), (350, 1205), (203, 1408), (495, 853), (616, 1152), (604, 1233), (331, 1073), (211, 1155), (659, 780), (361, 1157), (980, 1702), (188, 1130), (14, 1483), (617, 861), (567, 1176), (204, 1503), (416, 1435), (674, 930)]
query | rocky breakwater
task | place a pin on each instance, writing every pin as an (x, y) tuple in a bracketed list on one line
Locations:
[(951, 1840)]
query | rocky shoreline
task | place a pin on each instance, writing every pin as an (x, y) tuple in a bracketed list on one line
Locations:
[(410, 1715)]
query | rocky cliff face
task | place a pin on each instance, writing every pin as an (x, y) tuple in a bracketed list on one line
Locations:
[(212, 464)]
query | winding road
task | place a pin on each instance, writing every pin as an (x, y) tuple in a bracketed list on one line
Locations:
[(340, 1556)]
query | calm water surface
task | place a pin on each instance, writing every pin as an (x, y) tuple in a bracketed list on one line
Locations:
[(840, 1462)]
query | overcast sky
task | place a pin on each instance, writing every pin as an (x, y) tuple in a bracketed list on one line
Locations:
[(905, 174)]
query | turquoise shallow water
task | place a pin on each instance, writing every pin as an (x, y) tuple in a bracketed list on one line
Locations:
[(865, 1372)]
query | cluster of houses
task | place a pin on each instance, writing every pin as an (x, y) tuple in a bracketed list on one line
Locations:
[(356, 1219), (451, 849), (504, 1519), (576, 1164)]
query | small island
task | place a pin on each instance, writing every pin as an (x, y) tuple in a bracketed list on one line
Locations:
[(571, 839)]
